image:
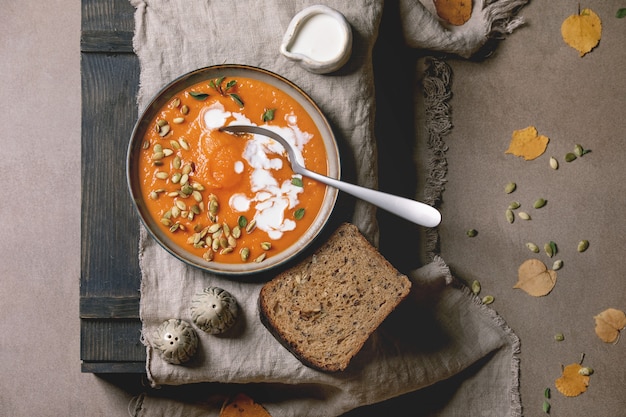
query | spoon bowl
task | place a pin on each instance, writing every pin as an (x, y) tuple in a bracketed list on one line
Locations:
[(411, 210)]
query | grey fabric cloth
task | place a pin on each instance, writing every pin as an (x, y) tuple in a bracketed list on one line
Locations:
[(453, 332)]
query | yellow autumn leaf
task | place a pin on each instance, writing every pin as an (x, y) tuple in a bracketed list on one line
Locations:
[(455, 12), (572, 382), (582, 31), (535, 278), (242, 406), (609, 323), (527, 143)]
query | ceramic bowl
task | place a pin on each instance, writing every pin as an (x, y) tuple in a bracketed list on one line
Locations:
[(318, 38), (145, 121)]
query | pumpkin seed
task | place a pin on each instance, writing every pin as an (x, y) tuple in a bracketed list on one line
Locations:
[(244, 253), (223, 242), (554, 164), (174, 144), (175, 211), (550, 249), (166, 222), (181, 204), (471, 233), (214, 228), (186, 190), (197, 186), (569, 157), (176, 177), (145, 144), (510, 187), (260, 258), (178, 120), (251, 226), (559, 337), (532, 247), (184, 109), (236, 232), (184, 144), (476, 287), (242, 221), (523, 215), (514, 205), (196, 195), (187, 169), (175, 102), (154, 195), (488, 299), (578, 150), (162, 175), (215, 245), (232, 242), (510, 217), (164, 130), (208, 256), (266, 245), (586, 371), (226, 251), (195, 209), (161, 122), (226, 229), (539, 203), (583, 245), (558, 264)]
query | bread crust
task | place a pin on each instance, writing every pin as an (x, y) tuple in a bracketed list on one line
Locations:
[(324, 308)]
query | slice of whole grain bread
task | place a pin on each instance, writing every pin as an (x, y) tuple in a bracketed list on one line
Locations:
[(325, 308)]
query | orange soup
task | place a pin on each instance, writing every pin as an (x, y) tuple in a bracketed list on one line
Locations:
[(228, 198)]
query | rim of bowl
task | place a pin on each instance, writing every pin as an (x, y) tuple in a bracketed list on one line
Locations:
[(232, 70)]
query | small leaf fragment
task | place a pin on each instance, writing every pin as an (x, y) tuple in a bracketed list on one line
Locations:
[(570, 157), (535, 279), (299, 214), (236, 99), (621, 13), (609, 323), (527, 143), (268, 115), (546, 407), (198, 96), (571, 383), (546, 393)]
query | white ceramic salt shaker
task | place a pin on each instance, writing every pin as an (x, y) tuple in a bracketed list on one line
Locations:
[(319, 38)]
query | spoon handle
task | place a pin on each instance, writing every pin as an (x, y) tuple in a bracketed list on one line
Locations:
[(414, 211)]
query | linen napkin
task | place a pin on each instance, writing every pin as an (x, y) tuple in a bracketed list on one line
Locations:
[(455, 332)]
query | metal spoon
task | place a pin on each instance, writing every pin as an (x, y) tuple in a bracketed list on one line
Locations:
[(414, 211)]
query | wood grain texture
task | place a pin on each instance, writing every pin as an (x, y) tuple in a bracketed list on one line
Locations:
[(110, 274)]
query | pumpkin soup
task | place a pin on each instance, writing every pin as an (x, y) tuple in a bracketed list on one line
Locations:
[(227, 198)]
